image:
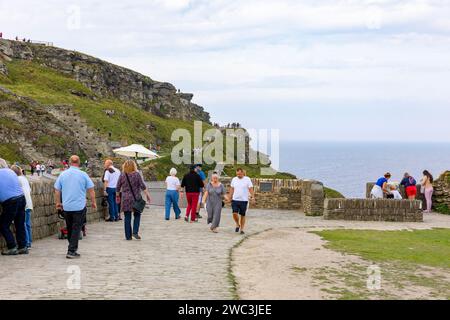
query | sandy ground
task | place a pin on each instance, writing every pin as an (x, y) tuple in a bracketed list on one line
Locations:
[(293, 264)]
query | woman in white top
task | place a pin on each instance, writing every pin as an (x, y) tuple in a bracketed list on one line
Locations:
[(427, 188), (173, 186), (29, 203)]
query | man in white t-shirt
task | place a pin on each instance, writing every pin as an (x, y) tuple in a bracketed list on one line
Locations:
[(241, 192), (110, 180)]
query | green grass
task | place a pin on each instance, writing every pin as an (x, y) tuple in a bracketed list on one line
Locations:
[(332, 194), (10, 152), (421, 247), (443, 208)]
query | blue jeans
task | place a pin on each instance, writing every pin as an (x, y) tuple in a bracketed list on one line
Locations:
[(112, 204), (28, 232), (13, 210), (172, 197), (136, 223)]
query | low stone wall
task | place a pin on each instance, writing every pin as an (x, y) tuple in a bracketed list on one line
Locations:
[(373, 210), (45, 220), (286, 194)]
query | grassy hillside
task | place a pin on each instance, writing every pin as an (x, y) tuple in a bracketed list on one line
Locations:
[(128, 123), (53, 88)]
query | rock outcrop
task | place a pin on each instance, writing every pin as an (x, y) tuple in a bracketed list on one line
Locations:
[(109, 80)]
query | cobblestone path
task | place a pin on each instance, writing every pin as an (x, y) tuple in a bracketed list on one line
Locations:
[(174, 260)]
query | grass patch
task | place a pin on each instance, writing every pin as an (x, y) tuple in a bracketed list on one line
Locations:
[(443, 208), (10, 152), (421, 247), (332, 194)]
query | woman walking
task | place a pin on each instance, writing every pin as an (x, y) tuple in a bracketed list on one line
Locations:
[(192, 183), (173, 186), (129, 188), (213, 199), (427, 187)]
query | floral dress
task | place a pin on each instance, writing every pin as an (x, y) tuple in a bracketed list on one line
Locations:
[(137, 185)]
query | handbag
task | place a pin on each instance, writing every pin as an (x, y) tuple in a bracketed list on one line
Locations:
[(138, 204)]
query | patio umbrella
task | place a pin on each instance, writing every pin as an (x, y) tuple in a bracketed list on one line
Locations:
[(137, 151)]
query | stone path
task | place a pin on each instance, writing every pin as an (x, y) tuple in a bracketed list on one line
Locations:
[(175, 260)]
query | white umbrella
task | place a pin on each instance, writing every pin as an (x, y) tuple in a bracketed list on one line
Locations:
[(137, 151)]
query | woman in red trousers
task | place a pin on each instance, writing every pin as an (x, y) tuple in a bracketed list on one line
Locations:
[(192, 184)]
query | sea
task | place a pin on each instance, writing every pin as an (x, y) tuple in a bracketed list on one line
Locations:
[(348, 166)]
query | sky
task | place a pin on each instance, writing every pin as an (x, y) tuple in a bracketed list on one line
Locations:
[(368, 70)]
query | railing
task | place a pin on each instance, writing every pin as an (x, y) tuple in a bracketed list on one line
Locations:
[(44, 43)]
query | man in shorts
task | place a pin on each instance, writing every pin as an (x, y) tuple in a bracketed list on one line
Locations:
[(241, 192)]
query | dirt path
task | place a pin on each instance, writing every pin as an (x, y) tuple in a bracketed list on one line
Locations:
[(293, 264)]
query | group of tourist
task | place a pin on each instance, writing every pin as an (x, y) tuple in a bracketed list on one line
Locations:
[(15, 198), (212, 195), (384, 189)]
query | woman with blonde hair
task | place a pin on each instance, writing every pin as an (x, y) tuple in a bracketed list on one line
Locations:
[(213, 201), (173, 186), (129, 194)]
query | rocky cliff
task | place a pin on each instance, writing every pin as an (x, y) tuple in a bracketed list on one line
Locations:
[(107, 80)]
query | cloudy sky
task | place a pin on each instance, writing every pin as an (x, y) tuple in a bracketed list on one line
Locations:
[(316, 70)]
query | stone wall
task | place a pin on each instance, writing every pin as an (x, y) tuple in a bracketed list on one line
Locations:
[(286, 194), (373, 210), (442, 192), (45, 220), (441, 196)]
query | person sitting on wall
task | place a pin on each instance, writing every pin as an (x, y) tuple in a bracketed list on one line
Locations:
[(393, 192), (381, 187)]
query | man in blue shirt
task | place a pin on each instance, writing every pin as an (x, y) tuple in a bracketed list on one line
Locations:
[(71, 186), (13, 204), (198, 169)]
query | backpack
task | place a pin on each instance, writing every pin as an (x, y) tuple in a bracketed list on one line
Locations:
[(412, 181)]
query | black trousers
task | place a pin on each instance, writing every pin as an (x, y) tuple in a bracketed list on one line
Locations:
[(74, 223)]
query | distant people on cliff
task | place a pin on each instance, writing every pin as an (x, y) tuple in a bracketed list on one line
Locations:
[(410, 185), (110, 179), (381, 187), (213, 200), (129, 194), (1, 35), (13, 202), (427, 189), (29, 203), (173, 187), (38, 169), (241, 192), (71, 187), (201, 173), (192, 183)]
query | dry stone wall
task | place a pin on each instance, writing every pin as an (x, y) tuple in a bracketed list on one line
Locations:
[(373, 210)]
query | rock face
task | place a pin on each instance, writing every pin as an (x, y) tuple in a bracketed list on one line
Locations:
[(21, 125), (442, 190), (109, 80)]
